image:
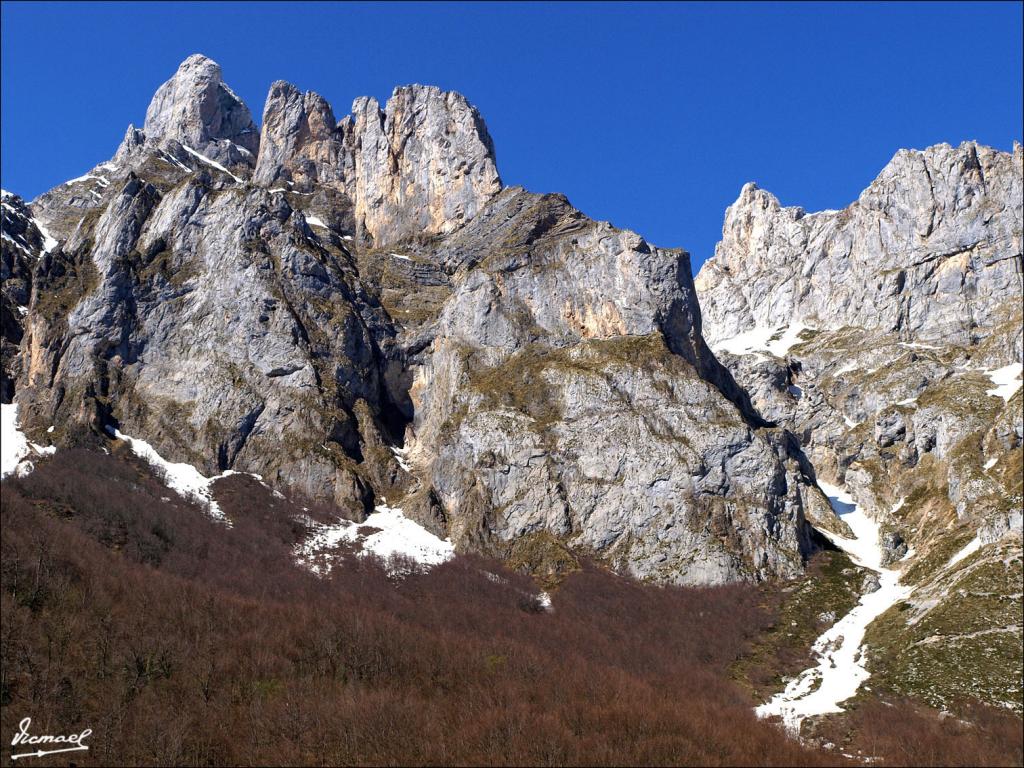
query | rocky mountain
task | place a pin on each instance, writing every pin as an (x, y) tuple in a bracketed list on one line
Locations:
[(359, 313), (887, 337), (359, 310), (929, 251)]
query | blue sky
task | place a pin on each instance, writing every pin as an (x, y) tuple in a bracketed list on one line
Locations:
[(649, 116)]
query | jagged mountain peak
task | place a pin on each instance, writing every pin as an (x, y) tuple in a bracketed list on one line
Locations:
[(421, 166), (196, 108), (300, 142), (199, 62), (935, 230), (905, 164)]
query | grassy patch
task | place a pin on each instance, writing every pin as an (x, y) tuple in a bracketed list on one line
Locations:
[(966, 646), (830, 584)]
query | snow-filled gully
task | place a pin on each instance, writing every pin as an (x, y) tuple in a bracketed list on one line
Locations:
[(841, 666)]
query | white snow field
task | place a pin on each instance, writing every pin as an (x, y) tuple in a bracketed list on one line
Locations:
[(15, 448), (969, 549), (759, 340), (840, 669), (184, 479), (1007, 380), (397, 536)]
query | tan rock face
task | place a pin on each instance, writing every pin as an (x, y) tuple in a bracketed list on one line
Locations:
[(422, 166), (443, 156), (300, 144), (595, 322)]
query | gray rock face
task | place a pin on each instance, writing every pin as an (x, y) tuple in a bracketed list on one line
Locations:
[(569, 391), (223, 330), (196, 109), (546, 372), (946, 225), (930, 251)]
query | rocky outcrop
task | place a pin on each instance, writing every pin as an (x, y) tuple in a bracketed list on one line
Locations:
[(301, 146), (423, 166), (216, 324), (570, 392), (931, 250), (23, 243), (198, 110)]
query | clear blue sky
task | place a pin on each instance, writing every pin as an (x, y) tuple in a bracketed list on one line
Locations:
[(649, 116)]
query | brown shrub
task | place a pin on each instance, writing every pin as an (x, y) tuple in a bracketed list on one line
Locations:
[(180, 641)]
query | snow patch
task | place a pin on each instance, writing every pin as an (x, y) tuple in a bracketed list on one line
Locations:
[(1007, 380), (316, 221), (184, 479), (969, 549), (400, 256), (10, 239), (49, 242), (847, 368), (103, 180), (397, 536), (15, 447), (841, 664), (760, 339), (208, 161), (400, 454), (991, 462), (850, 422), (174, 161)]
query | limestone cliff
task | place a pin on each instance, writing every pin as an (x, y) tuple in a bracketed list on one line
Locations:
[(357, 310)]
